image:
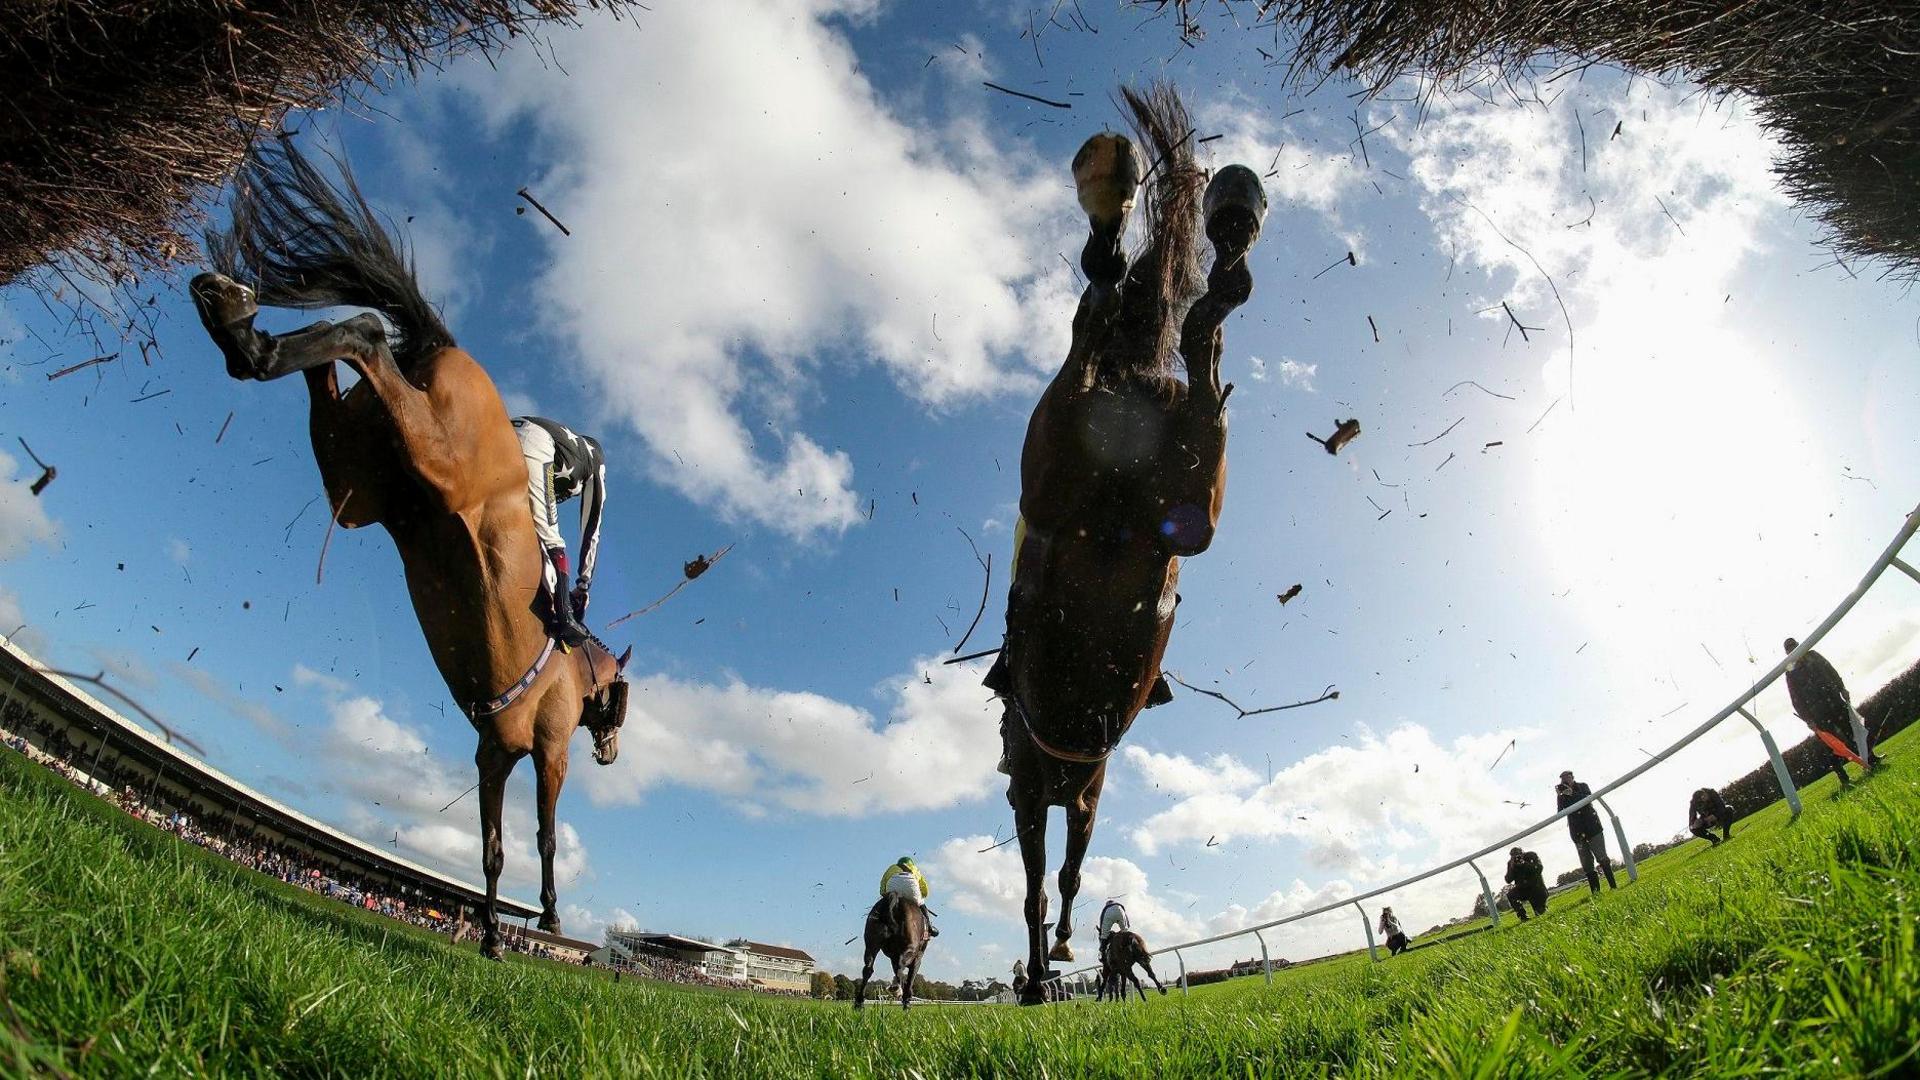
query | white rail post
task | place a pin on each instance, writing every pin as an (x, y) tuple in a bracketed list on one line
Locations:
[(1780, 772), (1904, 568), (1182, 961), (1486, 890), (1373, 951), (1266, 962), (1620, 834)]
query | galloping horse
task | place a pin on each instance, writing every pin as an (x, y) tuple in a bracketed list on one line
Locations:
[(422, 446), (898, 927), (1122, 473), (1124, 950)]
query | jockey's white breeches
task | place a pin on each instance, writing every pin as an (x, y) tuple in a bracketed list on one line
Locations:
[(905, 886)]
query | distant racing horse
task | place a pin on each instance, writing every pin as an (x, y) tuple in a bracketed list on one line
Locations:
[(1122, 474), (1124, 951), (896, 926), (421, 445)]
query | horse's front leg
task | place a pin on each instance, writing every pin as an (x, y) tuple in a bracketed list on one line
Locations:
[(1195, 487), (1080, 816), (550, 761), (495, 763), (1030, 822)]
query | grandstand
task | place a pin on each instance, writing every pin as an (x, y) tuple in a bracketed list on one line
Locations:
[(107, 753)]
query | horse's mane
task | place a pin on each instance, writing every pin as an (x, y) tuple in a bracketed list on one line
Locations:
[(303, 241), (1164, 274)]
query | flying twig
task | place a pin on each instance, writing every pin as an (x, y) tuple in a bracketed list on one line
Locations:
[(82, 365), (1344, 432), (1442, 435), (1029, 97), (700, 565), (100, 681), (1476, 386), (320, 570), (544, 212), (1330, 694)]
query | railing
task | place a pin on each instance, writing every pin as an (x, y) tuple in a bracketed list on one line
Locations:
[(1888, 558)]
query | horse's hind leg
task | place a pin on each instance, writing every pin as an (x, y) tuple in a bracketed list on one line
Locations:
[(227, 309), (1147, 963)]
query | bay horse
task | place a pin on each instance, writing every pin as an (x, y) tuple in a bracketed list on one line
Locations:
[(1122, 474), (422, 446), (1123, 951), (898, 927)]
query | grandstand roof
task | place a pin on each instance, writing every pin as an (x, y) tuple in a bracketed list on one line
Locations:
[(22, 665), (671, 941), (775, 950)]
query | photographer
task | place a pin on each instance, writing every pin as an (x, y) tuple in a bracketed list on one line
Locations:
[(1526, 883), (1707, 812), (1588, 838)]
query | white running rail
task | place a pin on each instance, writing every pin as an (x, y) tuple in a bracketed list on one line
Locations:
[(1888, 558)]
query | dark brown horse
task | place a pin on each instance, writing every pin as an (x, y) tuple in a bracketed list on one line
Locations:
[(1123, 951), (1122, 474), (422, 446), (898, 927)]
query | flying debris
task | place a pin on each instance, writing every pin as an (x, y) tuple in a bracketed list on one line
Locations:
[(1344, 432)]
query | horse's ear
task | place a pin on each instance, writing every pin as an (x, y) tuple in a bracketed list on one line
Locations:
[(624, 657)]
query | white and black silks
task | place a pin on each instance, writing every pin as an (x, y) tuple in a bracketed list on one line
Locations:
[(562, 464)]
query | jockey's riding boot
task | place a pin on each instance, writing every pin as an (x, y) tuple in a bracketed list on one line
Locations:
[(566, 628)]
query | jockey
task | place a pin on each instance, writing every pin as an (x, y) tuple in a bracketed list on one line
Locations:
[(904, 880), (1113, 918), (561, 465)]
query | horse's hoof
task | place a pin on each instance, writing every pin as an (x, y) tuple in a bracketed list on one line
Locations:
[(224, 300), (549, 923), (1106, 172), (1235, 207), (493, 951), (1061, 951)]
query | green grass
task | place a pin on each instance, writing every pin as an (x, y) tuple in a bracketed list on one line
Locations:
[(1790, 951)]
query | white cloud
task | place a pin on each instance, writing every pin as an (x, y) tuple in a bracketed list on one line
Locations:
[(1290, 170), (758, 207), (1398, 792), (1289, 373), (23, 520), (179, 551), (1177, 774), (807, 752), (396, 788)]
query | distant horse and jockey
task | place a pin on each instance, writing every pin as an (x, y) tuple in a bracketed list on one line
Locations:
[(423, 446)]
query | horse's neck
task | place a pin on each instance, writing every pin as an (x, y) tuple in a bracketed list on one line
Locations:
[(475, 583)]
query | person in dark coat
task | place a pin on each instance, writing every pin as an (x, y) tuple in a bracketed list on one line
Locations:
[(1526, 883), (1589, 839), (1707, 812), (1821, 701)]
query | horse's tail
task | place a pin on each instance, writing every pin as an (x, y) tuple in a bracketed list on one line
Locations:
[(1169, 266), (303, 241)]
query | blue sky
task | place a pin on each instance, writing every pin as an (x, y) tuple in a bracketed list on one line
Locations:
[(815, 269)]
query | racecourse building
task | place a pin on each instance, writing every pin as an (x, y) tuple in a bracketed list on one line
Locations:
[(775, 966)]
